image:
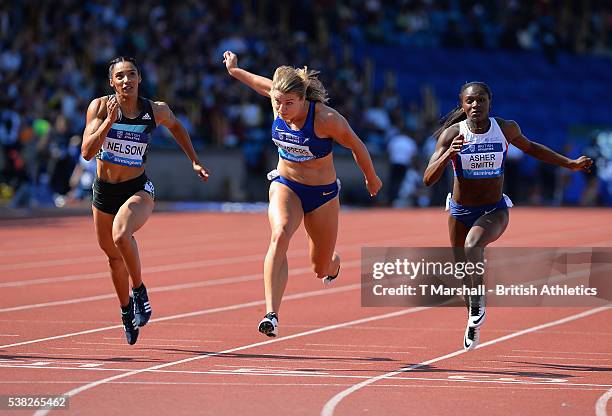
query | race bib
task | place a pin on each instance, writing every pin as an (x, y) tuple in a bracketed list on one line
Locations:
[(482, 160)]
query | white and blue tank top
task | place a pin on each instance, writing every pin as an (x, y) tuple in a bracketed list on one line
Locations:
[(482, 155), (300, 145), (127, 140)]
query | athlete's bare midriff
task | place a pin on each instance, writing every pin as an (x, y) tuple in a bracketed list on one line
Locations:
[(312, 172), (475, 192), (112, 173)]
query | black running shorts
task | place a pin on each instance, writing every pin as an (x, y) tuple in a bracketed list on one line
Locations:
[(108, 197)]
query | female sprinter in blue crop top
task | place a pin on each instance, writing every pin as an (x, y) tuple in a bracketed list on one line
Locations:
[(117, 133), (304, 186), (476, 145)]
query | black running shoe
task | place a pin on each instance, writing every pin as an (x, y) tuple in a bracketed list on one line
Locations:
[(129, 323), (329, 279), (142, 307), (269, 325)]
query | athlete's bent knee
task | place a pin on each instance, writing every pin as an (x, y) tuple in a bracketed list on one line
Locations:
[(280, 237), (471, 242), (115, 262), (122, 238), (474, 245)]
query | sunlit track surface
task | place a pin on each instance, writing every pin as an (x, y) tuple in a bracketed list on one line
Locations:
[(201, 353)]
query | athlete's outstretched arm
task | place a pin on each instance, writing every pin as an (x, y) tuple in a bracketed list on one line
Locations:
[(513, 133), (99, 120), (261, 85), (165, 117), (333, 124), (448, 145)]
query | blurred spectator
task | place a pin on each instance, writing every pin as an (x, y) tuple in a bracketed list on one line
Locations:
[(82, 179), (402, 150), (514, 181), (10, 123), (51, 53), (436, 193)]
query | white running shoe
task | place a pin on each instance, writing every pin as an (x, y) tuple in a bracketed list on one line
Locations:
[(471, 338), (269, 324), (477, 312)]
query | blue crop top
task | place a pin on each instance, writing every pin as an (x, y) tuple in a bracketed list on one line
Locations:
[(300, 145)]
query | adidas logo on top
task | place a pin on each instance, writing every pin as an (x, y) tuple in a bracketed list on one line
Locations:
[(146, 117)]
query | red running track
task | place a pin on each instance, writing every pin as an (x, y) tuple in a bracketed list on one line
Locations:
[(201, 353)]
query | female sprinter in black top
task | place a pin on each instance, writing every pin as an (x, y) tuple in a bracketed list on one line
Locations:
[(117, 133)]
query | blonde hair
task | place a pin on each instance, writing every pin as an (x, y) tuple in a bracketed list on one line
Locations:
[(302, 82)]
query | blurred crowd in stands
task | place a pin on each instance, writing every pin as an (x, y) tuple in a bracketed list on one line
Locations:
[(54, 59)]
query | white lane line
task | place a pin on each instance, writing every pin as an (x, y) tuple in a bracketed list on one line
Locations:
[(565, 352), (219, 248), (175, 266), (57, 303), (303, 295), (271, 367), (186, 245), (602, 404), (72, 354), (85, 245), (206, 283), (367, 345), (344, 351), (89, 259), (555, 358), (142, 347), (283, 372), (146, 270), (296, 253), (58, 279), (328, 409), (85, 387), (153, 269), (181, 235), (205, 341), (49, 263), (306, 360), (250, 384), (149, 240)]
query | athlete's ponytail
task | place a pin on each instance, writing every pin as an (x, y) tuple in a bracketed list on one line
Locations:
[(315, 91)]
